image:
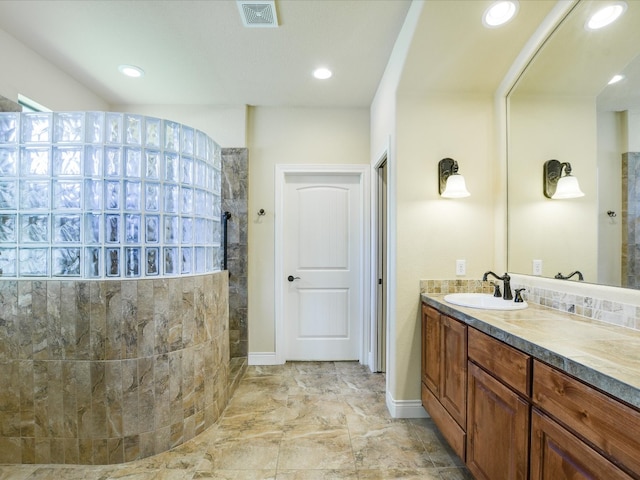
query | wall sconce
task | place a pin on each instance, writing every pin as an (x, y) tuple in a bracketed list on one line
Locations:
[(555, 185), (451, 184)]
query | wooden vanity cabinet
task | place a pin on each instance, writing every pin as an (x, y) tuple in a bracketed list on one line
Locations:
[(509, 416), (444, 375), (498, 409)]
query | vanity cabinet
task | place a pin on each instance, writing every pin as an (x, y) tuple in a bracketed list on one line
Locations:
[(510, 416), (444, 375)]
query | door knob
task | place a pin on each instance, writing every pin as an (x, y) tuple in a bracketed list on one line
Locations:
[(291, 278)]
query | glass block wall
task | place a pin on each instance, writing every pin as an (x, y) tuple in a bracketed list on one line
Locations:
[(103, 194)]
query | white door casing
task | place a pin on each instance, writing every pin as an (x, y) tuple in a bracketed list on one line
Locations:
[(322, 238)]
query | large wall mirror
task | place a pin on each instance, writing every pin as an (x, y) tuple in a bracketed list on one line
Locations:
[(564, 108)]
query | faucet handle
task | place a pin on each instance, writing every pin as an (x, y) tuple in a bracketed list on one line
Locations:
[(519, 298), (496, 289)]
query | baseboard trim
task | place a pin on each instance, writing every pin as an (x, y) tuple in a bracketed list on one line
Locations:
[(262, 358), (405, 408)]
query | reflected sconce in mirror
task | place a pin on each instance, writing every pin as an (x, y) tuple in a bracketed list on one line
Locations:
[(451, 183), (557, 186)]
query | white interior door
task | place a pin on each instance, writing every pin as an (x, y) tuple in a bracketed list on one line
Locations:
[(322, 266)]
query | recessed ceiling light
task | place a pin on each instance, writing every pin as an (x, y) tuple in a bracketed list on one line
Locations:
[(322, 73), (131, 71), (615, 79), (499, 13), (606, 15)]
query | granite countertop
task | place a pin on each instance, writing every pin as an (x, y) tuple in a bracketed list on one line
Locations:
[(601, 354)]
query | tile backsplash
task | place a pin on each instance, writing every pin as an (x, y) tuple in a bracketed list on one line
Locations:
[(618, 306)]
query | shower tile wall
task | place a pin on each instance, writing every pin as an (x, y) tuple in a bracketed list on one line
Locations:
[(100, 372), (235, 186), (630, 220)]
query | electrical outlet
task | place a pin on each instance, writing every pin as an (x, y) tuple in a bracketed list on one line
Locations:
[(537, 267), (461, 267)]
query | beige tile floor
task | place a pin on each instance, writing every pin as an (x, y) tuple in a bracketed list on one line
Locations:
[(298, 421)]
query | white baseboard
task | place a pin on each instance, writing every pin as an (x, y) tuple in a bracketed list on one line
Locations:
[(405, 408), (262, 358)]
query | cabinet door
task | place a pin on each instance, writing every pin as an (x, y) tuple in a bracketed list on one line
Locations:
[(453, 370), (431, 349), (556, 454), (602, 421), (497, 429)]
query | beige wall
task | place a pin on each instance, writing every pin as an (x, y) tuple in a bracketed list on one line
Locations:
[(631, 131), (562, 233), (289, 136), (383, 135), (433, 232), (24, 72), (610, 149)]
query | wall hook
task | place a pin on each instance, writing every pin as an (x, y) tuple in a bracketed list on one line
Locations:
[(611, 213), (261, 212)]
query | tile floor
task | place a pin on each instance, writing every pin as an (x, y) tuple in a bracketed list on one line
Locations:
[(298, 421)]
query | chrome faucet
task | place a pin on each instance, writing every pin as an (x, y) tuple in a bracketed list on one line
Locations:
[(506, 284)]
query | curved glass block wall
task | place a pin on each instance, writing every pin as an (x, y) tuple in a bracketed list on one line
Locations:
[(107, 195)]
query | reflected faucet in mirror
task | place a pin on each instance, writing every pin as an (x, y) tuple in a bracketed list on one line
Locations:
[(559, 276), (506, 283)]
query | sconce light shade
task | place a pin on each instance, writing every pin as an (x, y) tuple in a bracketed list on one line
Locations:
[(555, 185), (451, 183)]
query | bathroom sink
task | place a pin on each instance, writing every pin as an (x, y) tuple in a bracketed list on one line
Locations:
[(483, 301)]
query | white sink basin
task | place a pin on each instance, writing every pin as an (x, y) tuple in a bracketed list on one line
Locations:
[(483, 301)]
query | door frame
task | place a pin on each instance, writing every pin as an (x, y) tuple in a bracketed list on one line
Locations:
[(281, 172)]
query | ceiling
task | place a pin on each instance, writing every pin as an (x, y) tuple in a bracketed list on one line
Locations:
[(199, 52)]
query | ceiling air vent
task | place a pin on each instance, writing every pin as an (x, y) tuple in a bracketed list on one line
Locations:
[(258, 13)]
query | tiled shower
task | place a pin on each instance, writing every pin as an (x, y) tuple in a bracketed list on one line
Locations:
[(114, 314)]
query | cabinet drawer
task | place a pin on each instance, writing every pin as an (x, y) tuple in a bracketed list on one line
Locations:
[(511, 366), (449, 428), (609, 425)]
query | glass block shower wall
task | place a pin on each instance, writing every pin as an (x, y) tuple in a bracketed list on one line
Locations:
[(107, 195)]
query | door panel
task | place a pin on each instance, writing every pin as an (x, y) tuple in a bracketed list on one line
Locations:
[(497, 429), (323, 228), (453, 368), (556, 454), (324, 313), (322, 250)]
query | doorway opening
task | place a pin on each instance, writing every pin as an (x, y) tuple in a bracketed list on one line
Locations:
[(380, 335)]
